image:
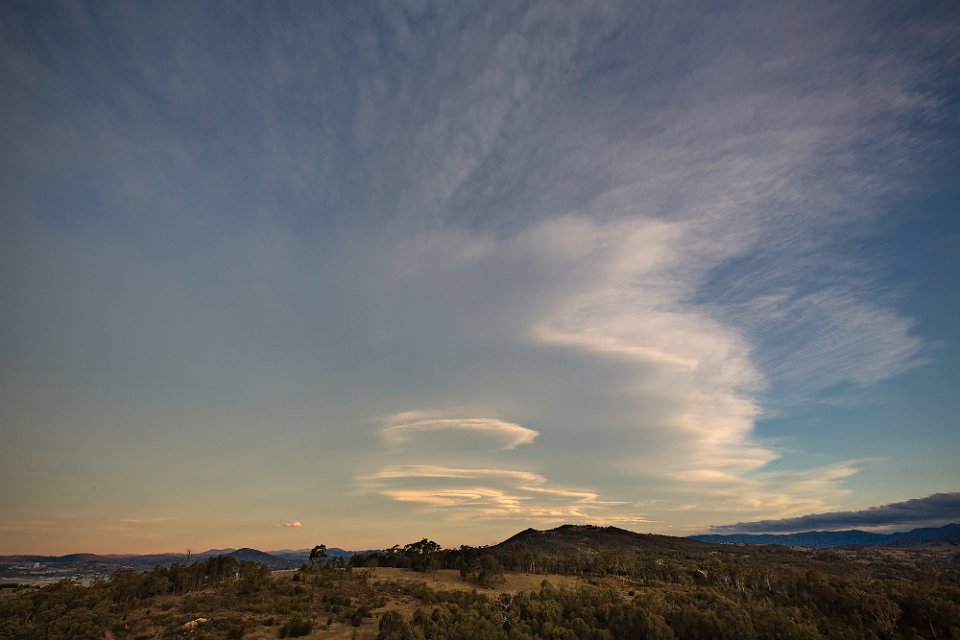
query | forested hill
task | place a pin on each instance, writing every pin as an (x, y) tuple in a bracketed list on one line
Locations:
[(570, 539), (827, 539)]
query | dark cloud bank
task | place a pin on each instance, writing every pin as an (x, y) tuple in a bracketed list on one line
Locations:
[(938, 508)]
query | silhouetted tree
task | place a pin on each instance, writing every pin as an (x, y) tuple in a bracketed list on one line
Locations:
[(318, 552), (420, 554)]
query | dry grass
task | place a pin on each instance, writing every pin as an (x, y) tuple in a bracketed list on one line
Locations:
[(337, 631), (164, 616), (450, 579), (444, 579)]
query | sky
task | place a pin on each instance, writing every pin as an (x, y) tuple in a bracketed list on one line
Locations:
[(277, 274)]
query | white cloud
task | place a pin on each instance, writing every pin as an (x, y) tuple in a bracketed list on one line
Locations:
[(777, 494), (628, 302), (402, 428), (492, 494), (436, 471)]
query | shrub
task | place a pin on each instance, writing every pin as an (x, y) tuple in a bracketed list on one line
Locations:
[(357, 618), (296, 626), (233, 627), (393, 627)]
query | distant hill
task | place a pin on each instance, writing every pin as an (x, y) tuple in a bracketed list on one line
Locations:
[(829, 539), (214, 552), (303, 555), (570, 539), (253, 555), (948, 533), (89, 565)]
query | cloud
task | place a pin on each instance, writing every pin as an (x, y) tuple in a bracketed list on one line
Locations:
[(632, 233), (686, 379), (31, 527), (814, 341), (295, 525), (938, 508), (784, 493), (459, 494), (402, 428), (630, 306), (435, 471), (135, 524)]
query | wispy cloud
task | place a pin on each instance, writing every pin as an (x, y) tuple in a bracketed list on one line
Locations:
[(824, 340), (291, 525), (30, 527), (135, 524), (493, 494), (604, 240), (401, 428), (436, 471), (936, 509), (784, 493)]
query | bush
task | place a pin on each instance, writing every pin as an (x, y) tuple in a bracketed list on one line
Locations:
[(296, 626), (393, 627), (357, 618), (233, 627)]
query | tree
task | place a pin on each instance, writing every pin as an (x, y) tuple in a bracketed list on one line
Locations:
[(489, 571), (421, 554), (318, 552)]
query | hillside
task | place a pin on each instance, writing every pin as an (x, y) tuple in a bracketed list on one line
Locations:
[(571, 539), (587, 548)]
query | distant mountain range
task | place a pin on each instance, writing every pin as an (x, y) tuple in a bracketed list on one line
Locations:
[(286, 558), (88, 566), (827, 539)]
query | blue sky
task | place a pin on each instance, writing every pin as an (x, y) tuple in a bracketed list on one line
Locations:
[(451, 270)]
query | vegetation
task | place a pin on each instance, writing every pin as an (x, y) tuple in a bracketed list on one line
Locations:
[(318, 553), (296, 626), (691, 591)]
